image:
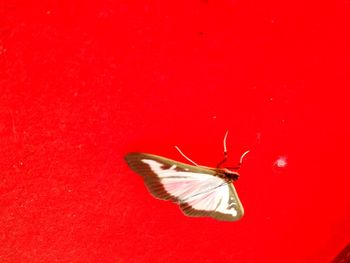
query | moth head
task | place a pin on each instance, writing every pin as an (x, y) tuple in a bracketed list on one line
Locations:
[(231, 175), (235, 176)]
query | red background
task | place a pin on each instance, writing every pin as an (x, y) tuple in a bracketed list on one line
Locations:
[(83, 83)]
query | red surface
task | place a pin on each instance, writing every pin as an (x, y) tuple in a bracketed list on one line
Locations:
[(84, 83)]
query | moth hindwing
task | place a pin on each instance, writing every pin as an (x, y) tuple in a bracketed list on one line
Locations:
[(199, 191)]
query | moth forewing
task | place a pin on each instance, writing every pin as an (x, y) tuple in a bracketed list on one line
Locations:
[(200, 191), (139, 162), (135, 162)]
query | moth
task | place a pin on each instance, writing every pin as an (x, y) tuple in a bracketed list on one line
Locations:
[(200, 191)]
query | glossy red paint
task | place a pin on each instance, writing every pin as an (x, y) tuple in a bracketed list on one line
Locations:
[(84, 83)]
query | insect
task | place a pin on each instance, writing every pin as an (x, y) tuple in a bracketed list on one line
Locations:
[(200, 191)]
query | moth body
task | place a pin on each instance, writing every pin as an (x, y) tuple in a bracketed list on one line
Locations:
[(226, 174)]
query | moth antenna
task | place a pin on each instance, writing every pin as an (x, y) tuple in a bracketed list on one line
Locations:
[(243, 155), (183, 155), (225, 148)]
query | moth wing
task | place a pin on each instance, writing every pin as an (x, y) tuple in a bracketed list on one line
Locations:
[(159, 173), (220, 202), (197, 190)]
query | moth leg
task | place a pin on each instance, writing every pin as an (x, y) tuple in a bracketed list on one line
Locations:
[(225, 152), (223, 161), (240, 162)]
